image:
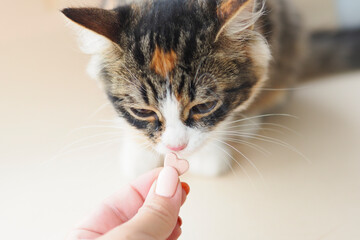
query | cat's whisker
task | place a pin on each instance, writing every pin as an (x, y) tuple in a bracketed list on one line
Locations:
[(265, 137), (87, 138), (237, 163), (80, 148), (254, 129), (269, 124), (262, 116), (144, 146), (251, 134), (271, 140), (67, 148), (102, 107), (247, 159), (229, 164), (109, 120), (249, 144), (118, 138), (95, 127), (284, 89)]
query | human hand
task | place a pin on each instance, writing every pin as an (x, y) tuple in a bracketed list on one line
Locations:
[(146, 209)]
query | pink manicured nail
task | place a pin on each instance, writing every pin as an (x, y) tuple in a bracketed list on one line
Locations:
[(167, 182)]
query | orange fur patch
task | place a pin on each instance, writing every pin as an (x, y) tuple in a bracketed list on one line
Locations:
[(178, 97), (163, 62)]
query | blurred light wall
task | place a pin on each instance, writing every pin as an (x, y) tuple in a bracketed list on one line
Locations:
[(318, 14), (349, 13)]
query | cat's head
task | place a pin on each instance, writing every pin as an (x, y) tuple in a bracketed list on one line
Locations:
[(176, 69)]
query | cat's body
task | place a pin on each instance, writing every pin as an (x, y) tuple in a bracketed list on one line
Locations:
[(179, 72)]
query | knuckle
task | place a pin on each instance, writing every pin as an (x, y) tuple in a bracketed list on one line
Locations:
[(160, 210)]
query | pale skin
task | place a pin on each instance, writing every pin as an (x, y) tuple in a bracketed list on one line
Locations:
[(140, 211)]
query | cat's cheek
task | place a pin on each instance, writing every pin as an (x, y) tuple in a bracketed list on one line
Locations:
[(135, 159), (161, 148)]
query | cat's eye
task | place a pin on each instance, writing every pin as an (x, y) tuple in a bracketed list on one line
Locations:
[(143, 113), (204, 108)]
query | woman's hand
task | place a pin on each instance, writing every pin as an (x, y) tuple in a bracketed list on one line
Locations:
[(146, 209)]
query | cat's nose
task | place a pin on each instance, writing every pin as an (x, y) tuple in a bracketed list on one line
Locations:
[(177, 148)]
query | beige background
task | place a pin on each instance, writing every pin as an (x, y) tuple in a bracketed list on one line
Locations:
[(317, 14), (48, 102)]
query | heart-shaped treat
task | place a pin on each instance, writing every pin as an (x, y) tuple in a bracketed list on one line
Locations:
[(181, 165)]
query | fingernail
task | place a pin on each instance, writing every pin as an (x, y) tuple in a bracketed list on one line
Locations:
[(180, 221), (167, 182), (186, 187)]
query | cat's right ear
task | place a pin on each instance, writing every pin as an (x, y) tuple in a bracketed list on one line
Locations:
[(97, 28), (236, 16), (101, 21)]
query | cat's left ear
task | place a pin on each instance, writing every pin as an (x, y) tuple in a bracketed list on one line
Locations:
[(236, 15)]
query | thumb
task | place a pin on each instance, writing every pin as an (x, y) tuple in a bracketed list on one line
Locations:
[(157, 218)]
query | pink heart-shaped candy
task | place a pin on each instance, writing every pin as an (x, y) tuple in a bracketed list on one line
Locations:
[(181, 165)]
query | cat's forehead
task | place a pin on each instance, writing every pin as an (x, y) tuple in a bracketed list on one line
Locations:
[(171, 33), (164, 16)]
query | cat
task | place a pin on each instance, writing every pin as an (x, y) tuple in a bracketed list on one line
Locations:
[(180, 72)]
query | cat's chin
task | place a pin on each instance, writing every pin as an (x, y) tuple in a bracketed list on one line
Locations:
[(208, 161)]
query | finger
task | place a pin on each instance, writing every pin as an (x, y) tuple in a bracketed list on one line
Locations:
[(177, 231), (78, 234), (186, 190), (158, 216), (175, 234), (143, 184), (183, 197), (118, 208)]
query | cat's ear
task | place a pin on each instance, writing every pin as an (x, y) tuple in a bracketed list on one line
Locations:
[(100, 21), (237, 15), (97, 28)]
